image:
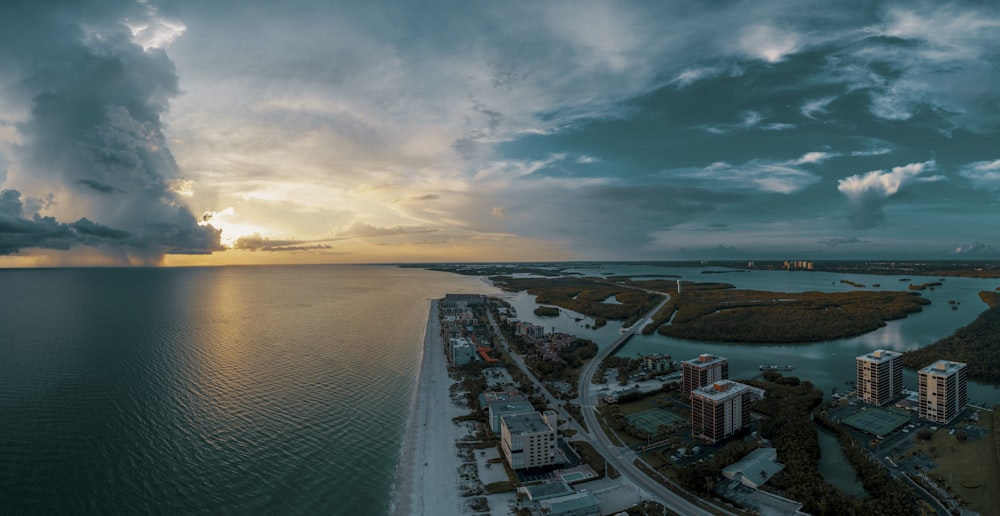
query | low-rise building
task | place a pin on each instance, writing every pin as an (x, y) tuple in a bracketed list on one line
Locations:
[(657, 362), (461, 351), (528, 439), (755, 468)]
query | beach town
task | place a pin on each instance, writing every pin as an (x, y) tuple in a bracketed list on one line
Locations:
[(492, 431)]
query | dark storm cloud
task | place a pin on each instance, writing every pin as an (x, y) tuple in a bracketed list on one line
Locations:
[(99, 186), (836, 241), (96, 98), (17, 233)]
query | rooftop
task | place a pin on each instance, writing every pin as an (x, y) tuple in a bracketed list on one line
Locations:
[(526, 423), (759, 466), (943, 368), (720, 390), (880, 355), (705, 360), (575, 503)]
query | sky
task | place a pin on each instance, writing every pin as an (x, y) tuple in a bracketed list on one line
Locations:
[(186, 132)]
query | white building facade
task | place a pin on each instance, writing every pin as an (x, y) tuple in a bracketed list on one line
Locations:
[(528, 440), (941, 390)]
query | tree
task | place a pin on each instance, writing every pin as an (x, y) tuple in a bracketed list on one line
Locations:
[(961, 435), (924, 434)]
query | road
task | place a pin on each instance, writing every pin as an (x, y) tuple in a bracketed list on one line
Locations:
[(622, 458)]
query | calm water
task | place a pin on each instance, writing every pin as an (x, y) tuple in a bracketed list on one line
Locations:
[(280, 390), (284, 389)]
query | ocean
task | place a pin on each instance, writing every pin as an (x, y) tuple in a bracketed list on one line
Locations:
[(286, 390), (235, 390)]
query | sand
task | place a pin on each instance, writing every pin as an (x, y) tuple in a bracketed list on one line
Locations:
[(427, 478)]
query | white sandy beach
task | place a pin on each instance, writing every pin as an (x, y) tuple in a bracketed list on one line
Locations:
[(427, 478)]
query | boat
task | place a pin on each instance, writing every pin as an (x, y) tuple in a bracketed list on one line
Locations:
[(775, 367)]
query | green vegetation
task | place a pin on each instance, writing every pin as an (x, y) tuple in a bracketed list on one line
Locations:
[(851, 283), (700, 477), (593, 459), (789, 405), (925, 285), (583, 295), (772, 317), (547, 311), (975, 344), (966, 461)]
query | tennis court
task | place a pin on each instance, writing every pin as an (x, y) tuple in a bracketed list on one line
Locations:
[(650, 420), (876, 421)]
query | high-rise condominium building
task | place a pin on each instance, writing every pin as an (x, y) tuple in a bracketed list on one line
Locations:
[(880, 376), (720, 410), (702, 371), (941, 388)]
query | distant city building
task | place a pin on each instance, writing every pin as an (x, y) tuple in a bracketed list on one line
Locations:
[(720, 410), (880, 376), (463, 300), (656, 363), (704, 370), (529, 440), (798, 264), (942, 391), (461, 351)]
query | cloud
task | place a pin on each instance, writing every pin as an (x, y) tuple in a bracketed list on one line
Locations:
[(815, 107), (783, 177), (983, 174), (256, 242), (927, 56), (748, 120), (838, 241), (498, 211), (880, 151), (99, 186), (170, 236), (768, 43), (95, 95), (867, 194), (974, 249), (814, 157)]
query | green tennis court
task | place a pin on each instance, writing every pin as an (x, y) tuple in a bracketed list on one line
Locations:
[(650, 420), (876, 421)]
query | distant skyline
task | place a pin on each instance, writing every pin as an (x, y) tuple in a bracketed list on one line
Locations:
[(189, 132)]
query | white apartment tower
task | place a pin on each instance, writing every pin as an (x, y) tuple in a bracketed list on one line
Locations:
[(880, 376), (720, 410), (702, 371), (529, 439), (941, 388)]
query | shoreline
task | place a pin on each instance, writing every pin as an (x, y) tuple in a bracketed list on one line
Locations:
[(428, 457)]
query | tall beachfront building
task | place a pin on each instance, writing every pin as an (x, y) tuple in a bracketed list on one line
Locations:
[(880, 376), (941, 388), (704, 370), (720, 410), (528, 439)]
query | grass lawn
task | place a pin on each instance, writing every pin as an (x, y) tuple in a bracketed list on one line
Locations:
[(968, 461)]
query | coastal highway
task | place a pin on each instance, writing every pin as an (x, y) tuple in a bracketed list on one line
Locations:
[(621, 458), (618, 457)]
